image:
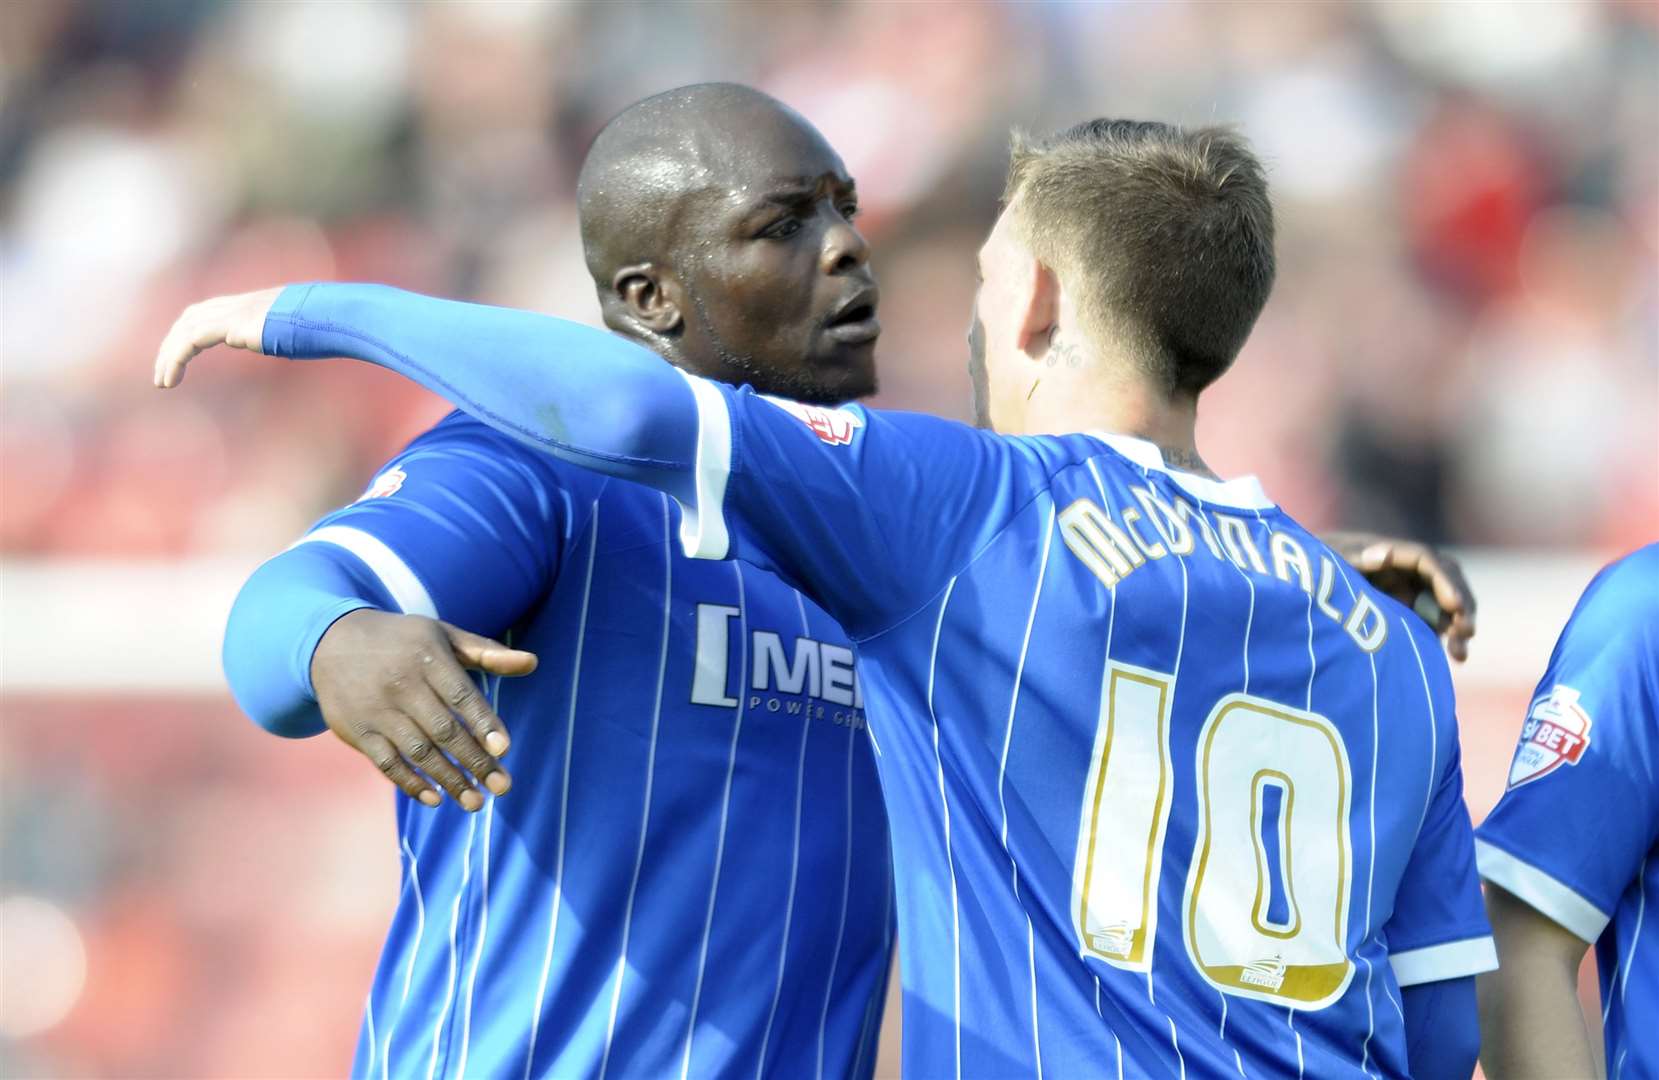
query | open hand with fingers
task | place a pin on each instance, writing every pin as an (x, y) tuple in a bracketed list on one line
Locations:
[(1429, 582), (395, 688), (237, 321)]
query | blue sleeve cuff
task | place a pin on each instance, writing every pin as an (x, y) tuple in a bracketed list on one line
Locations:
[(279, 617), (306, 646), (278, 335), (1545, 893)]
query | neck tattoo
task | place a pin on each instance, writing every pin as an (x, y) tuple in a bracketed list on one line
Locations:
[(1177, 457), (1062, 350)]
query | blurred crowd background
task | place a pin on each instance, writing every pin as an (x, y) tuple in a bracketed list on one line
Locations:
[(1461, 347)]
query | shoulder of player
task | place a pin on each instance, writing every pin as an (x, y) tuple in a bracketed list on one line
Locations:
[(465, 439), (1626, 590), (1617, 618)]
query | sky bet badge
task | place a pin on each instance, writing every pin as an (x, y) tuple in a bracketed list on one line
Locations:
[(1556, 733), (833, 426)]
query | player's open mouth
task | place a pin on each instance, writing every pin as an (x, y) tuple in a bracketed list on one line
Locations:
[(856, 325)]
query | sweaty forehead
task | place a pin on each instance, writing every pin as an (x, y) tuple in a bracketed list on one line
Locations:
[(749, 150), (687, 160)]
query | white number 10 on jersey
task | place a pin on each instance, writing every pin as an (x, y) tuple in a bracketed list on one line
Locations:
[(1265, 910)]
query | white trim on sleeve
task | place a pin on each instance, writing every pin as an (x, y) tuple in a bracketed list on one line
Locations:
[(405, 588), (1452, 960), (1551, 898), (703, 532)]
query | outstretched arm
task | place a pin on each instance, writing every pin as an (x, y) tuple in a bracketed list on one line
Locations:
[(588, 396), (608, 404)]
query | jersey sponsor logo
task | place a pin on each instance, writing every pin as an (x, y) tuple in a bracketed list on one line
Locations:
[(779, 675), (387, 483), (833, 426), (1556, 733)]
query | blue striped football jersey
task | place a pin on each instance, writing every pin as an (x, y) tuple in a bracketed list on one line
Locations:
[(1576, 834), (690, 876), (1172, 791)]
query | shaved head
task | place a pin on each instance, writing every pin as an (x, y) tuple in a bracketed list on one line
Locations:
[(715, 221), (654, 157)]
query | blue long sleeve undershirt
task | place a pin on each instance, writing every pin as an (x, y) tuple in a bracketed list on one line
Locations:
[(585, 395), (279, 617)]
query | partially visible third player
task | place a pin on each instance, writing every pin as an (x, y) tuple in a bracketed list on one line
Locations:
[(1569, 854)]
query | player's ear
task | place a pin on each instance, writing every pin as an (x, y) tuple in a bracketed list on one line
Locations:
[(650, 299), (1039, 303)]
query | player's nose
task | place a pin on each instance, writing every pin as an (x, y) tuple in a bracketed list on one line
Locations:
[(844, 248)]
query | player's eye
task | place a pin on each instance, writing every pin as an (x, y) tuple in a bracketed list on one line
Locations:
[(782, 229), (849, 210)]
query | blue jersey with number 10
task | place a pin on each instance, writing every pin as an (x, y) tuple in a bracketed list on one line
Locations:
[(1171, 791), (1174, 791)]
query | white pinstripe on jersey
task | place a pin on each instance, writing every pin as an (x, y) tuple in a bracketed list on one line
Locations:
[(484, 915), (725, 807), (483, 934), (454, 967), (1428, 791), (841, 919), (1002, 776), (1371, 869), (368, 1018), (1434, 731), (939, 764), (409, 969), (1175, 676), (1313, 669), (846, 881), (564, 791), (650, 778), (1249, 624), (1111, 624)]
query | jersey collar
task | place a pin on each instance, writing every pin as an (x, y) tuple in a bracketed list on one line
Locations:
[(1244, 493)]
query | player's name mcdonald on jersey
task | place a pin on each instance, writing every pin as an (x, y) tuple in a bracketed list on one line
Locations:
[(1160, 527)]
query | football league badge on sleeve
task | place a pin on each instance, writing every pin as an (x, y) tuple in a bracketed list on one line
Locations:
[(833, 426), (387, 483), (1556, 733)]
